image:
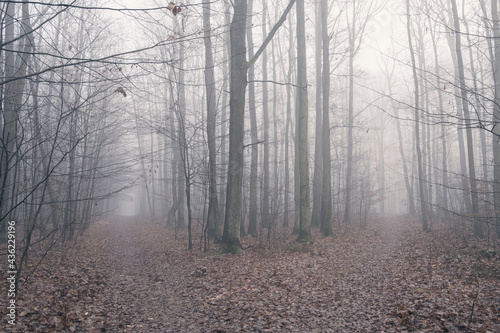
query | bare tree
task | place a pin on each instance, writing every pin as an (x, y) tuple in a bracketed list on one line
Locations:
[(326, 198), (478, 228), (301, 149), (213, 205), (421, 180), (239, 67), (496, 112)]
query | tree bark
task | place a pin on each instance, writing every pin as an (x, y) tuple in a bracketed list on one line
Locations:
[(318, 162), (213, 203), (291, 59), (496, 113), (231, 234), (302, 124), (253, 208), (15, 69), (326, 198), (478, 227), (266, 222), (423, 204)]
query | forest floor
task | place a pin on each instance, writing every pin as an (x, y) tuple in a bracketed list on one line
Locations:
[(127, 275)]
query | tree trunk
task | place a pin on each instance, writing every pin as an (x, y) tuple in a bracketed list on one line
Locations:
[(478, 227), (231, 234), (291, 58), (318, 163), (496, 113), (302, 124), (15, 67), (326, 198), (225, 73), (253, 208), (423, 204), (213, 204), (350, 124), (266, 222), (444, 152)]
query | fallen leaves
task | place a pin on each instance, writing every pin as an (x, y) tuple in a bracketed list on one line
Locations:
[(132, 276)]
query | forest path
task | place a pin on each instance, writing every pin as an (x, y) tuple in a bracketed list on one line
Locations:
[(377, 278), (153, 288), (146, 292)]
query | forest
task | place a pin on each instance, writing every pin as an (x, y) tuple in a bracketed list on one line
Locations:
[(250, 166)]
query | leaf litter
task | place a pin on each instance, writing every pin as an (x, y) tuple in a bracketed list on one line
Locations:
[(129, 275)]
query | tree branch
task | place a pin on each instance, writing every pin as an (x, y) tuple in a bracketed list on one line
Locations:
[(271, 34)]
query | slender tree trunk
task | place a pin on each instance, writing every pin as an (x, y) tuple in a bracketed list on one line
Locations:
[(421, 180), (350, 125), (478, 227), (478, 107), (213, 204), (171, 218), (326, 198), (265, 115), (276, 193), (291, 59), (426, 133), (444, 153), (15, 65), (225, 73), (318, 164), (409, 188), (461, 146), (302, 124), (496, 113), (253, 208), (181, 138)]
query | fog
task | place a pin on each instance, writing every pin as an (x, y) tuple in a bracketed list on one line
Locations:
[(214, 113)]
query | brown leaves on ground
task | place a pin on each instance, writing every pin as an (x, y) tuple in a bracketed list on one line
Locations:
[(132, 276)]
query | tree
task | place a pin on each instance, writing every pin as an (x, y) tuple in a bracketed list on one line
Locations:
[(355, 37), (239, 68), (238, 82), (213, 204), (16, 62), (496, 113), (478, 228), (254, 162), (326, 198), (318, 163), (301, 149), (421, 180), (266, 221)]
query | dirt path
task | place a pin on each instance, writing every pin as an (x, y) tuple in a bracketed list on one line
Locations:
[(151, 293), (363, 281), (146, 293), (129, 276)]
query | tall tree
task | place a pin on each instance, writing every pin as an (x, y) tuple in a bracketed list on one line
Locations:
[(213, 204), (318, 164), (265, 118), (496, 112), (360, 15), (423, 204), (291, 58), (301, 150), (444, 149), (326, 198), (254, 159), (478, 228), (15, 65), (239, 68)]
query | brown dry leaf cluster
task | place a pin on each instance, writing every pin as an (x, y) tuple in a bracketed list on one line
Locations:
[(131, 276)]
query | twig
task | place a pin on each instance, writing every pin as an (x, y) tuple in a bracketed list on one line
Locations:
[(475, 298)]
